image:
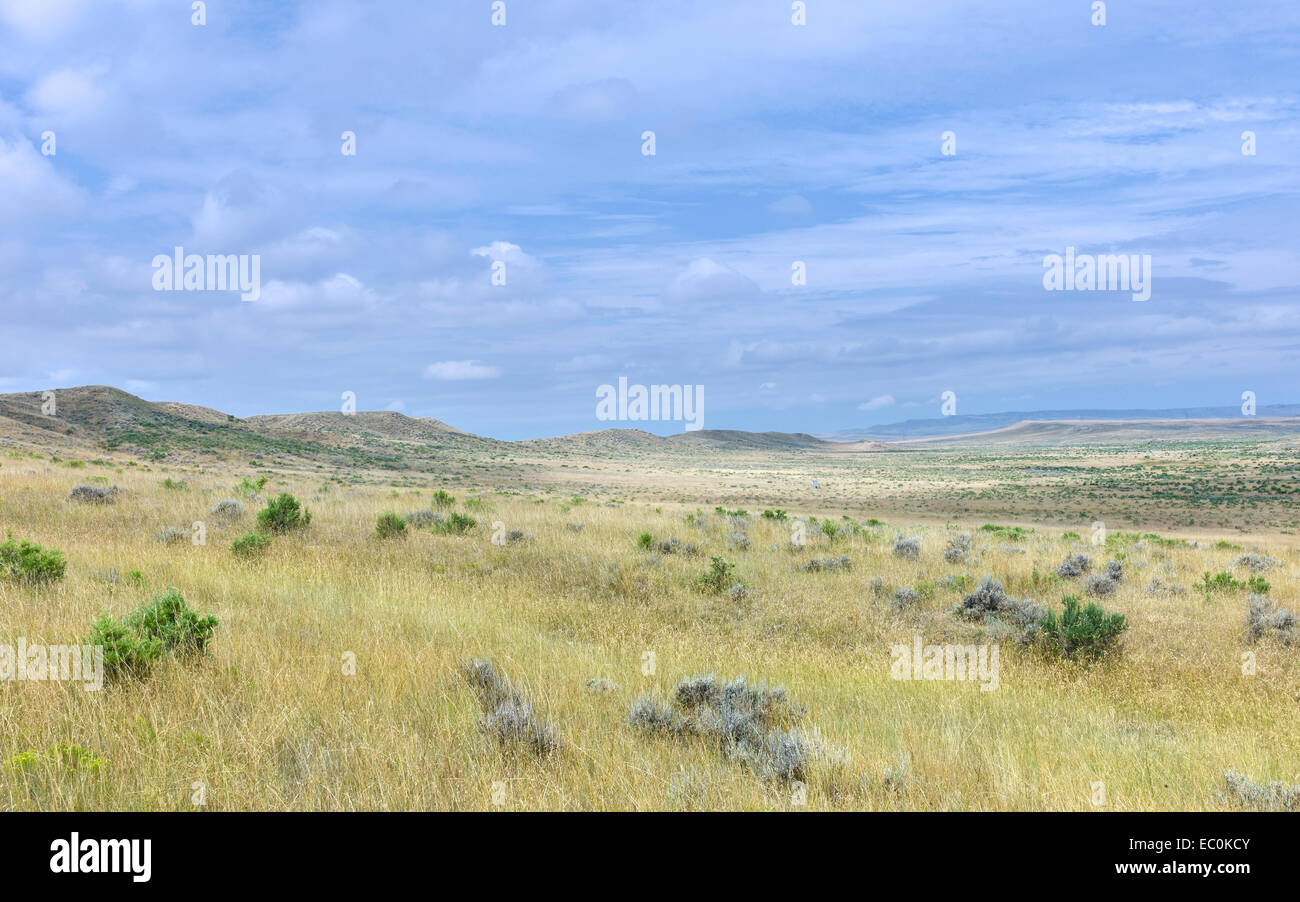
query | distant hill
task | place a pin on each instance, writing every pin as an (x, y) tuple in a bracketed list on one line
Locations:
[(967, 424), (1119, 432), (101, 418)]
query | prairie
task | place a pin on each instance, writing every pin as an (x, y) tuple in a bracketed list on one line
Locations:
[(583, 623)]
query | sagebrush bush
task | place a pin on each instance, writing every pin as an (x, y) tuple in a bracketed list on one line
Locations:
[(390, 526), (1275, 796), (509, 720), (162, 626), (958, 548), (1074, 566), (1100, 585), (28, 562), (753, 725), (1265, 618), (907, 546), (738, 540), (1082, 632), (228, 508), (174, 535), (1256, 562), (420, 519), (283, 514), (830, 563), (94, 494)]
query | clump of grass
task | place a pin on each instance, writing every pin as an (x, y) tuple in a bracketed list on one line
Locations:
[(163, 626), (1265, 618), (94, 494), (30, 563), (753, 725), (176, 485), (443, 499), (510, 720), (907, 546), (390, 526), (1275, 796), (1075, 566), (252, 545), (282, 515), (1080, 632), (831, 563)]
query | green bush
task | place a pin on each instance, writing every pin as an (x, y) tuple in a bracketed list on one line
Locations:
[(442, 499), (1087, 632), (716, 578), (390, 526), (456, 524), (282, 515), (250, 487), (29, 562), (645, 541), (164, 625), (777, 514), (252, 545)]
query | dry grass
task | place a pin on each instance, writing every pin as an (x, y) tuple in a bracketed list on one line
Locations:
[(269, 720)]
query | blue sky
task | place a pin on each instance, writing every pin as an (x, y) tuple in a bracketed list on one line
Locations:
[(775, 143)]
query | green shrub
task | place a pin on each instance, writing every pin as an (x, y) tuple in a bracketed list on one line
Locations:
[(456, 524), (390, 526), (442, 499), (252, 545), (164, 625), (175, 484), (250, 487), (1087, 632), (645, 541), (1210, 583), (29, 562), (777, 514), (1008, 533), (282, 515), (716, 578)]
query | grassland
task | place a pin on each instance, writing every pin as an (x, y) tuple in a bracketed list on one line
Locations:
[(269, 719)]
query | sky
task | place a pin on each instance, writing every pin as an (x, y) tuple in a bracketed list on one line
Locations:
[(519, 151)]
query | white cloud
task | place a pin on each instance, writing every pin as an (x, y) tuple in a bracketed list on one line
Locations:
[(460, 371), (70, 93), (583, 362), (877, 403), (41, 18)]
